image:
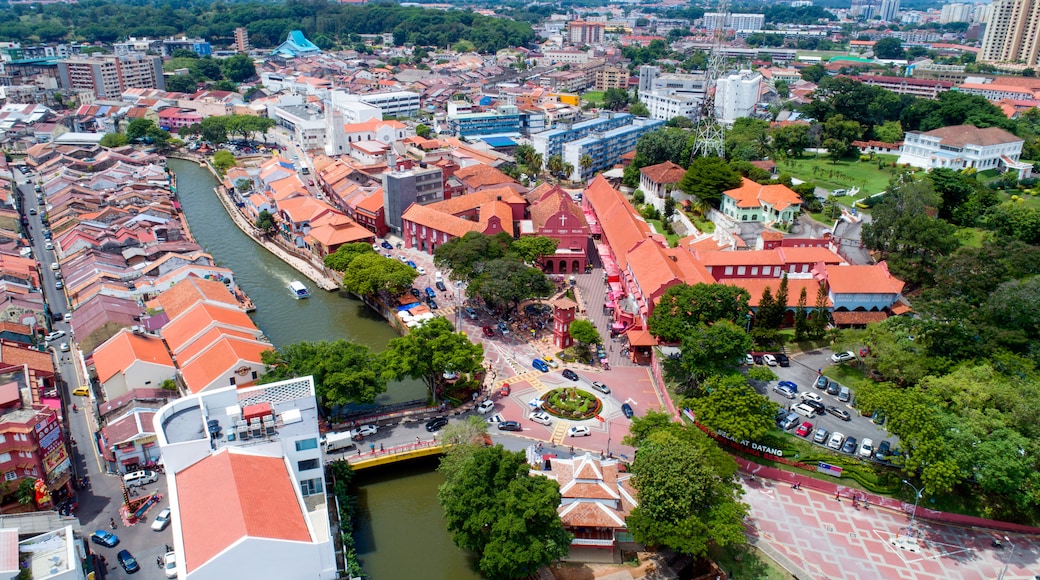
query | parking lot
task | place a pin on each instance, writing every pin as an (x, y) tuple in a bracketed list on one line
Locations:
[(804, 370)]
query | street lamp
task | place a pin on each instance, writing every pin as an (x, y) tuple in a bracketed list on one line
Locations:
[(458, 305), (1008, 560), (916, 498)]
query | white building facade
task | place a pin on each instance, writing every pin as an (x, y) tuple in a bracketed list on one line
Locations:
[(736, 96), (963, 146)]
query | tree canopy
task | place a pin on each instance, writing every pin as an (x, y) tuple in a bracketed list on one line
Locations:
[(341, 258), (502, 513), (344, 372), (683, 307), (369, 273), (708, 177), (429, 351)]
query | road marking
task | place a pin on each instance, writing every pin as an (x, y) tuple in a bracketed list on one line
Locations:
[(630, 401), (559, 433)]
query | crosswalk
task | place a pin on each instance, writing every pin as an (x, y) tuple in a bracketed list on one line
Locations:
[(559, 432)]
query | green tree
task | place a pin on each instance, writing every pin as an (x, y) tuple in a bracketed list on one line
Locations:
[(813, 73), (429, 351), (238, 68), (265, 222), (801, 318), (585, 334), (683, 307), (139, 129), (707, 178), (615, 99), (905, 231), (370, 273), (688, 496), (114, 140), (341, 258), (585, 161), (782, 89), (467, 256), (890, 48), (224, 160), (181, 84), (26, 492), (791, 140), (731, 406), (423, 131), (504, 283), (711, 350), (498, 510), (531, 248), (639, 109), (820, 316), (889, 132), (344, 372), (555, 165)]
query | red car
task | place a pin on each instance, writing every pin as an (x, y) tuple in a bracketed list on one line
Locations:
[(804, 429), (488, 331)]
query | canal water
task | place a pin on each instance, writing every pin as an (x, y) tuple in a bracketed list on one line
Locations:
[(265, 278), (400, 527)]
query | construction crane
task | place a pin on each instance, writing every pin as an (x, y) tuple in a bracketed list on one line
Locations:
[(710, 138)]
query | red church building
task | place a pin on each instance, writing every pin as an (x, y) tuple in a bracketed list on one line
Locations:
[(554, 214)]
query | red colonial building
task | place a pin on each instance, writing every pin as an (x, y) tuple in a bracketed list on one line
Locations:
[(554, 214)]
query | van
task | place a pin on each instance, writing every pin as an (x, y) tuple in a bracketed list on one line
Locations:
[(844, 395), (81, 391), (139, 478), (804, 410), (337, 441)]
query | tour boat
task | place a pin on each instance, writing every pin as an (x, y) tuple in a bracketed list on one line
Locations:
[(299, 290)]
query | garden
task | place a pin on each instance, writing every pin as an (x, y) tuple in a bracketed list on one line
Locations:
[(572, 403)]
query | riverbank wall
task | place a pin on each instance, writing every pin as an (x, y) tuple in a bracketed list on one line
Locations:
[(306, 264)]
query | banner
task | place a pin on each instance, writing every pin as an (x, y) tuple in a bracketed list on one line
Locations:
[(828, 469)]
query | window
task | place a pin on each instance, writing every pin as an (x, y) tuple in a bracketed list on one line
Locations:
[(232, 380), (310, 486), (741, 270), (5, 457), (254, 375), (10, 476), (305, 444), (307, 464)]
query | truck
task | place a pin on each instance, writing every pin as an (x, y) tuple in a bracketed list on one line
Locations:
[(337, 441)]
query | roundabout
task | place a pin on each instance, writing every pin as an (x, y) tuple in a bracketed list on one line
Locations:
[(571, 403)]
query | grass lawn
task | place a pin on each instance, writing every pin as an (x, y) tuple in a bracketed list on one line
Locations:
[(673, 239), (842, 175), (747, 562), (705, 226), (593, 96), (1032, 201), (971, 237)]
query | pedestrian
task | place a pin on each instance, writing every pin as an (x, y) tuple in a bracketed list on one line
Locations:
[(112, 522), (158, 561), (416, 439), (359, 451), (381, 448)]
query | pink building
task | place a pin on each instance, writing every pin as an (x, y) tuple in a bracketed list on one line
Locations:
[(174, 118), (554, 214)]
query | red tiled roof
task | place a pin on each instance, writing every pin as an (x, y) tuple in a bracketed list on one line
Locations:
[(751, 194), (874, 279), (666, 172), (961, 135), (124, 349), (622, 227), (186, 293), (857, 318), (227, 497)]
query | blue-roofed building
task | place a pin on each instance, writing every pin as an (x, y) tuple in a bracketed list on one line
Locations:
[(504, 120), (296, 45), (197, 45), (550, 142), (606, 147)]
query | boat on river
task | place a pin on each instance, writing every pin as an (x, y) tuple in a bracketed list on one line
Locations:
[(299, 291)]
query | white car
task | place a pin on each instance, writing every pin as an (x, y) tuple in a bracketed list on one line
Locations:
[(749, 360), (54, 335), (170, 564), (541, 417), (840, 357), (769, 359), (835, 441), (495, 419), (421, 270), (161, 521), (579, 431), (486, 406), (364, 431), (866, 448), (810, 396), (64, 347)]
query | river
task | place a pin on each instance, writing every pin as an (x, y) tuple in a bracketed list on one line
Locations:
[(265, 278), (408, 539)]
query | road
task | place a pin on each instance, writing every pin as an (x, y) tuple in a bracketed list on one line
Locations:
[(101, 502)]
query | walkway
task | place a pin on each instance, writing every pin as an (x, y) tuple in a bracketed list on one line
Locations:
[(594, 295), (377, 455)]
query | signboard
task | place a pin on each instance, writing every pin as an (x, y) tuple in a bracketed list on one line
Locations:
[(53, 461), (48, 433), (828, 469)]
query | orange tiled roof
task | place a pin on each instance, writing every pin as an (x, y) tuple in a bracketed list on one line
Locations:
[(808, 255), (756, 286), (480, 175), (470, 201), (181, 330), (551, 204), (622, 227), (874, 279), (439, 221), (857, 317), (124, 349), (222, 356), (666, 172), (751, 194), (228, 496), (186, 293)]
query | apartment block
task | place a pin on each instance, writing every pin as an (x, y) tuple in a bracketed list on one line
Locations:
[(611, 77), (551, 142), (736, 96), (1012, 33), (605, 149), (394, 103), (107, 76), (582, 32)]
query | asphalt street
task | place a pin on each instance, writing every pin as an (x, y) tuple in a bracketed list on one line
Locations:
[(102, 500)]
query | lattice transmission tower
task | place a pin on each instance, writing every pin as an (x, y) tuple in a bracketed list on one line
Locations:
[(710, 138)]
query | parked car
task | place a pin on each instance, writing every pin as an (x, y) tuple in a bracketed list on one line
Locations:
[(782, 360), (432, 304), (849, 446), (549, 361), (386, 245), (601, 387), (103, 538), (54, 335), (472, 314), (817, 406), (170, 564), (820, 436), (410, 263), (866, 448), (430, 293), (790, 421), (841, 357), (579, 431), (509, 426), (440, 286), (789, 385), (161, 521), (539, 364), (804, 429), (833, 388), (839, 413), (757, 358), (627, 410), (127, 561), (363, 431), (420, 270), (503, 328), (749, 360), (844, 394), (784, 391), (569, 374), (769, 359), (811, 396), (541, 417), (883, 450), (488, 331), (436, 423), (486, 406), (835, 441), (821, 382)]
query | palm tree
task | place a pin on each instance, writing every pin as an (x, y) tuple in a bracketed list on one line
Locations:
[(586, 162), (567, 170), (534, 163), (555, 165)]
